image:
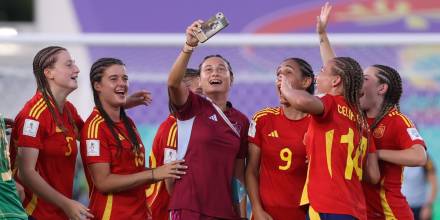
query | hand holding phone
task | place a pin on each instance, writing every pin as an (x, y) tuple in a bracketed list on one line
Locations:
[(209, 28)]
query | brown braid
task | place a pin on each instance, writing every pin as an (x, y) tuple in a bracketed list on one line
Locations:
[(388, 75), (44, 59), (96, 73), (306, 71), (352, 78)]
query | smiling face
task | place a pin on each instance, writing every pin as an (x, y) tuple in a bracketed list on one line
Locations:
[(373, 91), (215, 77), (113, 87), (64, 72)]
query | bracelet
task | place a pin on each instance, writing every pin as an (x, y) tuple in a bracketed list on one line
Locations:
[(152, 174), (187, 48), (186, 42)]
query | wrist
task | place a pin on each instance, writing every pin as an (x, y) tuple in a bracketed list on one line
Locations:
[(188, 48)]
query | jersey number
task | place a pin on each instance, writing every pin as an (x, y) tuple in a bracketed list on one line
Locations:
[(139, 159), (352, 163), (69, 147), (286, 156)]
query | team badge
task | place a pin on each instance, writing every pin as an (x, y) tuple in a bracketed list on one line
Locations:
[(378, 132), (30, 127), (92, 148), (170, 155), (414, 134), (252, 129)]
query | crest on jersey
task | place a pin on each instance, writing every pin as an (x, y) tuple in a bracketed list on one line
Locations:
[(92, 148), (30, 127), (170, 155), (252, 129), (379, 131)]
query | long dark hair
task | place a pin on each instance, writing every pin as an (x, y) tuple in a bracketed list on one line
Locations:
[(46, 58), (388, 75), (96, 73)]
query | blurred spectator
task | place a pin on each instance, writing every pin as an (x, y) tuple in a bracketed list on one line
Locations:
[(420, 189)]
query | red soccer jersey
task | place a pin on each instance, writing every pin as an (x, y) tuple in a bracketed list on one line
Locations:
[(385, 200), (36, 128), (164, 144), (99, 146), (213, 148), (283, 167), (336, 161)]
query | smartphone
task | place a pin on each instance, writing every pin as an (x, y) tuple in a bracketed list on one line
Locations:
[(209, 28)]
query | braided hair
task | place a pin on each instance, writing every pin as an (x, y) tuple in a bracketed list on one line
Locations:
[(352, 78), (388, 75), (46, 58), (96, 73), (306, 71)]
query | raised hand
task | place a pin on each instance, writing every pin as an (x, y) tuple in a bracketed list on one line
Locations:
[(322, 19), (285, 85), (191, 38), (142, 97), (171, 170)]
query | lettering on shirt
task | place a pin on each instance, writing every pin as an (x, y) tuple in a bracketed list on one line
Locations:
[(346, 112)]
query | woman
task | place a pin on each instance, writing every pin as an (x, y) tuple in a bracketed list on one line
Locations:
[(276, 166), (397, 140), (113, 152), (45, 135), (205, 192), (164, 150)]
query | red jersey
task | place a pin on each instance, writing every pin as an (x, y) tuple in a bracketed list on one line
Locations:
[(36, 128), (99, 146), (336, 160), (385, 200), (283, 167), (164, 143), (213, 148)]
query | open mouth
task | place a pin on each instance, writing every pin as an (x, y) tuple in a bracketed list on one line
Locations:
[(120, 92), (215, 82)]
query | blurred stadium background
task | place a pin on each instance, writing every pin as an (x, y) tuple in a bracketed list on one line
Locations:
[(147, 36)]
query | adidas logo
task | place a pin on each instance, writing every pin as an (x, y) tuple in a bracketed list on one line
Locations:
[(213, 117), (273, 134)]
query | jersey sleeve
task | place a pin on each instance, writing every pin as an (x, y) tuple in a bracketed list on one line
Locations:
[(254, 134), (406, 133), (328, 103), (190, 108), (31, 129), (97, 149)]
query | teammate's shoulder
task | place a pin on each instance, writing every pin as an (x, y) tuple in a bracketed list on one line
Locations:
[(92, 125), (399, 117), (170, 121), (35, 107), (267, 112)]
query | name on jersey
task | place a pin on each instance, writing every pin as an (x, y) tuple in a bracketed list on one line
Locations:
[(346, 112)]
